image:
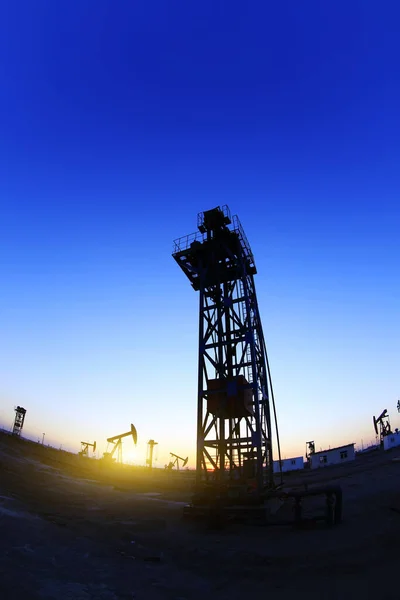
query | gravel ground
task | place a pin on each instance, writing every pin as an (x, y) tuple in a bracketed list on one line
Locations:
[(66, 535)]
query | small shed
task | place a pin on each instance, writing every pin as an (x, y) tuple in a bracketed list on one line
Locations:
[(333, 456), (289, 464), (391, 441)]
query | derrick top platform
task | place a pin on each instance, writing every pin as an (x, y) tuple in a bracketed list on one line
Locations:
[(217, 253)]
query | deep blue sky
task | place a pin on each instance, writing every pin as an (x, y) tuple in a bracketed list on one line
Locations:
[(119, 122)]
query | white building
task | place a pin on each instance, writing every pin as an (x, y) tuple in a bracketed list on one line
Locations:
[(333, 456), (391, 441), (289, 464)]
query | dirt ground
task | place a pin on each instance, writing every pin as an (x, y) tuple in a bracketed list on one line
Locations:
[(72, 530)]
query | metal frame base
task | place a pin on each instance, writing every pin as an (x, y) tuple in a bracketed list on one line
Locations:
[(219, 510)]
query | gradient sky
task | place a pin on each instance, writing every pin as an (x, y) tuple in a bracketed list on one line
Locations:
[(120, 121)]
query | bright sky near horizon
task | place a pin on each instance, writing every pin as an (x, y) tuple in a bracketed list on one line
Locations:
[(120, 121)]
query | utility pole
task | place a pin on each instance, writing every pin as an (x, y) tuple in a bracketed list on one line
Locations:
[(150, 448)]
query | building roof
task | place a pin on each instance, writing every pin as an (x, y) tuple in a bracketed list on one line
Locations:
[(290, 458), (332, 449)]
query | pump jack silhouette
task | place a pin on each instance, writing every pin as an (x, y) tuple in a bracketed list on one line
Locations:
[(117, 441), (384, 425), (175, 463), (85, 448)]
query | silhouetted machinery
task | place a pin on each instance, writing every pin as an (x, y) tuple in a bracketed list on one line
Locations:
[(85, 449), (310, 449), (384, 425), (175, 462), (150, 451), (235, 399), (234, 430), (116, 440), (19, 420)]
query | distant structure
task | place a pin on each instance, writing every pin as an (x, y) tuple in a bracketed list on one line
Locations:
[(85, 448), (150, 450), (392, 440), (310, 449), (383, 423), (117, 441), (175, 462), (20, 413), (289, 464), (398, 405), (235, 396), (333, 456)]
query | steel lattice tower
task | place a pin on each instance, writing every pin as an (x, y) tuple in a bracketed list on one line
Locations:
[(20, 413), (234, 433)]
